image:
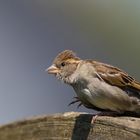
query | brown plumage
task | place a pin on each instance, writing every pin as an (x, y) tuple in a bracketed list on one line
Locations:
[(115, 76), (98, 86), (66, 56)]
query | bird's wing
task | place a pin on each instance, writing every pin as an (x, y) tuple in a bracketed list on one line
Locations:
[(116, 77)]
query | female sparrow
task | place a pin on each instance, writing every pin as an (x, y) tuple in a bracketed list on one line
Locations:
[(98, 86)]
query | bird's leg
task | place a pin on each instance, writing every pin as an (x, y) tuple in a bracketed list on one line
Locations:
[(79, 104), (94, 118), (107, 113), (75, 101)]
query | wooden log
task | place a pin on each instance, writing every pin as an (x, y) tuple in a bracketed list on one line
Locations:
[(72, 126)]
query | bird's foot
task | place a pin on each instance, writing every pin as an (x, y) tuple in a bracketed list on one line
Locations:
[(75, 101), (108, 113)]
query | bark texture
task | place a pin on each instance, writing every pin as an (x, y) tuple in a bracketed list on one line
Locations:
[(72, 126)]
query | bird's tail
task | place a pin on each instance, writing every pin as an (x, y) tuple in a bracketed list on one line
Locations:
[(136, 85)]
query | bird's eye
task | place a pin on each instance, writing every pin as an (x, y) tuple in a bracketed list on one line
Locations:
[(63, 64)]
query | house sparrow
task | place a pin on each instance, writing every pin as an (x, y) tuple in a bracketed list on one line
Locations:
[(98, 86)]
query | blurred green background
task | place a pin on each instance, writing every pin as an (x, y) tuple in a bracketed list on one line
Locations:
[(33, 32)]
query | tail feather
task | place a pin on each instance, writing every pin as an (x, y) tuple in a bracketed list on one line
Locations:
[(136, 85)]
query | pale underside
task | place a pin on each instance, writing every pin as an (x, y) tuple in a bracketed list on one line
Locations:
[(92, 90)]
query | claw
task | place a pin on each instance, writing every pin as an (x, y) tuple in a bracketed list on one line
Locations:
[(75, 101), (79, 105), (94, 118)]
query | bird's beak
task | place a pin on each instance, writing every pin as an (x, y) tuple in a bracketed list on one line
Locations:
[(52, 69)]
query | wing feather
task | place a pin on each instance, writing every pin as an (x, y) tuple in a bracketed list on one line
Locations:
[(116, 77)]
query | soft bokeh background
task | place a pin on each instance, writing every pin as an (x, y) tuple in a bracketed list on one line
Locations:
[(33, 32)]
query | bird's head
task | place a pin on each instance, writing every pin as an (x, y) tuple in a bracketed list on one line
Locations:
[(64, 65)]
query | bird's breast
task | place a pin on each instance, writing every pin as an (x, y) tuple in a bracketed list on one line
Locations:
[(103, 95)]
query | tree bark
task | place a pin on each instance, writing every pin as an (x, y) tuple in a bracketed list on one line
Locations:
[(72, 126)]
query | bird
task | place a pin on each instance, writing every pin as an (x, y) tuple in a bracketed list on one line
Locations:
[(98, 86)]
